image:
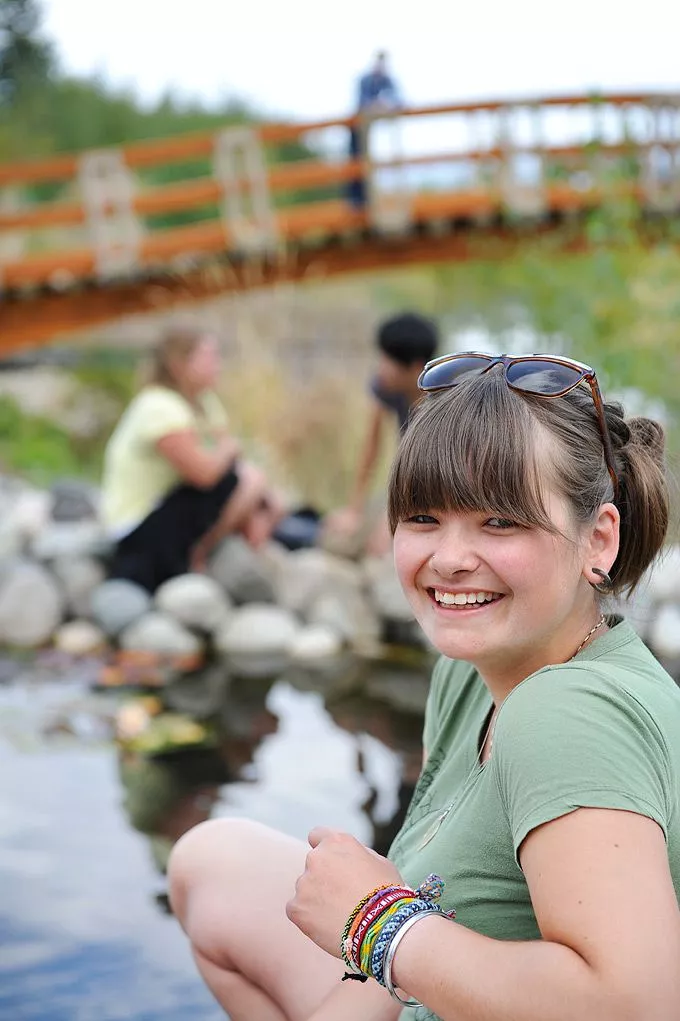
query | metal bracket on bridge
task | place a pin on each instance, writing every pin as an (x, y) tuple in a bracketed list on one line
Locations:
[(108, 189), (253, 230), (390, 212)]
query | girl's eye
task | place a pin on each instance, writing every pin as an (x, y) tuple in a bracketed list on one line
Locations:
[(422, 519), (501, 523)]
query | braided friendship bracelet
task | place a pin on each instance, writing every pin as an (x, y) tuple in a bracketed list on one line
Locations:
[(377, 925)]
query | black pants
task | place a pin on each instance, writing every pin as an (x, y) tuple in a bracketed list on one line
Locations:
[(160, 547), (356, 188)]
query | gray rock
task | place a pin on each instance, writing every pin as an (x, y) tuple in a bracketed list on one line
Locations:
[(315, 642), (196, 601), (351, 615), (385, 590), (73, 500), (79, 638), (79, 578), (158, 632), (31, 605), (312, 573), (117, 603), (243, 575), (71, 539), (258, 639)]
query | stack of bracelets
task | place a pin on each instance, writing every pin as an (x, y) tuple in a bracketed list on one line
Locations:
[(377, 926)]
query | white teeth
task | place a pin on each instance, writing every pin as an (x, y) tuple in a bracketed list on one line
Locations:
[(463, 598)]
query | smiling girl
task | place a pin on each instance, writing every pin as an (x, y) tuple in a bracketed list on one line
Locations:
[(537, 873)]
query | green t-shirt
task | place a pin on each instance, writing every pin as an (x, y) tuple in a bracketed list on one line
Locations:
[(602, 731)]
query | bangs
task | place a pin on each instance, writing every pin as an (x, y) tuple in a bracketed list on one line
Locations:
[(471, 449)]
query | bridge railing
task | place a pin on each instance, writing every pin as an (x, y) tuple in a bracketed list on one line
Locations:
[(462, 162)]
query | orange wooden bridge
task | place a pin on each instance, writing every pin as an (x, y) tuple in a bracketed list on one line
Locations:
[(443, 183)]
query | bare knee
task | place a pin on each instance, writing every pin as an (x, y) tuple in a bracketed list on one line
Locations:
[(212, 853)]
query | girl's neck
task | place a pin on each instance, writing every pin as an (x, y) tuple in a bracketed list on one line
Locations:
[(501, 679)]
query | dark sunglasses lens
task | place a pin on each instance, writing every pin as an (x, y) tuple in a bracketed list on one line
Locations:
[(542, 377), (452, 372)]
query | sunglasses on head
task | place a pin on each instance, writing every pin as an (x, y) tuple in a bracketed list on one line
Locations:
[(540, 375)]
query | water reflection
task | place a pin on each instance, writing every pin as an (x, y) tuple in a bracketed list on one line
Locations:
[(179, 750), (95, 788)]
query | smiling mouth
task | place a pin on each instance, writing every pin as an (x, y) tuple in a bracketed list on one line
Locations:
[(457, 601)]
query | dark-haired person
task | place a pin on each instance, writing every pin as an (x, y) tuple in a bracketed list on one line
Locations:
[(549, 801), (404, 343), (174, 482)]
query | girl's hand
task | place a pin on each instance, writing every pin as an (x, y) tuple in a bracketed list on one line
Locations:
[(339, 872)]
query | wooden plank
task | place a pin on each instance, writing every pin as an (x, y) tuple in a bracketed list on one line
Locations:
[(155, 152), (294, 224)]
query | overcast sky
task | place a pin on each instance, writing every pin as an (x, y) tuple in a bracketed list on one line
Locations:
[(300, 58)]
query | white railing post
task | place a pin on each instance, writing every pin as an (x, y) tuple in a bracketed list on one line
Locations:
[(238, 154), (108, 190)]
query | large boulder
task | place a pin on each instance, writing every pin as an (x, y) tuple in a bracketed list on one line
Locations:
[(196, 601), (71, 539), (162, 634), (80, 638), (385, 589), (348, 613), (73, 500), (243, 574), (117, 603), (79, 577), (308, 574), (316, 642), (258, 639), (31, 605)]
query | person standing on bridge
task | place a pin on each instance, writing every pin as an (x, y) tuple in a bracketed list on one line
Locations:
[(404, 342), (174, 482), (376, 93)]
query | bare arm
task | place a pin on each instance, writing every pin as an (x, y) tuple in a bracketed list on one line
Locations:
[(605, 903), (195, 465)]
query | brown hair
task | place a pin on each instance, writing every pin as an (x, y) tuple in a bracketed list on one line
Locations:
[(476, 448), (176, 345)]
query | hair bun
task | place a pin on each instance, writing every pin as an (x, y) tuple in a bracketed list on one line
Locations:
[(645, 432)]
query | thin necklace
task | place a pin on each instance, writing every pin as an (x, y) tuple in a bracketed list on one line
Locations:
[(489, 735)]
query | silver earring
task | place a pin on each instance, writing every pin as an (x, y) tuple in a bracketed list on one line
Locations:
[(606, 585)]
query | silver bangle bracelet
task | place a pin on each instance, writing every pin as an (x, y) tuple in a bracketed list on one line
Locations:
[(391, 951)]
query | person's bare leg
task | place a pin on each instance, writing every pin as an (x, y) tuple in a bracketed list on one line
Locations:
[(230, 880)]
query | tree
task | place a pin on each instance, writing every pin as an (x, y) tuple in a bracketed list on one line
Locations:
[(26, 60)]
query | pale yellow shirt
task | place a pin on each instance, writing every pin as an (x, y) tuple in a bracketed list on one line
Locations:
[(136, 477)]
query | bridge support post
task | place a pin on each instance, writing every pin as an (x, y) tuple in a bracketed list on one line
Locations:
[(239, 165), (107, 189)]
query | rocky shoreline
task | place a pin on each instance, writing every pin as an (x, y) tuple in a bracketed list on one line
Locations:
[(257, 611)]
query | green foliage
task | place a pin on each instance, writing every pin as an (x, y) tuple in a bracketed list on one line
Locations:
[(38, 448), (26, 61)]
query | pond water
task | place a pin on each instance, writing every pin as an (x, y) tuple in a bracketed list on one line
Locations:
[(96, 786)]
